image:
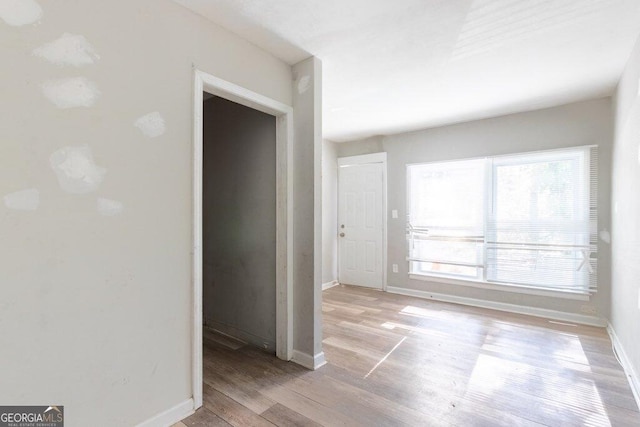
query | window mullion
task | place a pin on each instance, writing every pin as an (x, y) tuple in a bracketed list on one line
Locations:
[(524, 233)]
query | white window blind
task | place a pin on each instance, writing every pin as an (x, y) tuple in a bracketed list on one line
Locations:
[(527, 219), (446, 227)]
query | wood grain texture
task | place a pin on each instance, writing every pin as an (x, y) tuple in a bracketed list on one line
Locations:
[(395, 360)]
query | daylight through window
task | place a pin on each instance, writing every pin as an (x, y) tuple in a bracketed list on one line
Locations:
[(525, 220)]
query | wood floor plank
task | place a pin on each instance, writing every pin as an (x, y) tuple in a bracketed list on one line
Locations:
[(231, 411), (237, 389), (280, 415), (316, 411), (209, 334), (384, 411), (204, 418), (396, 360)]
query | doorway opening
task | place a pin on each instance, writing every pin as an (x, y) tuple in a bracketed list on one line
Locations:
[(239, 223), (242, 219)]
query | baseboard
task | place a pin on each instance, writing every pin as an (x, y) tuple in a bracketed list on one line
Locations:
[(308, 361), (632, 376), (319, 360), (501, 306), (170, 416), (331, 284), (241, 335)]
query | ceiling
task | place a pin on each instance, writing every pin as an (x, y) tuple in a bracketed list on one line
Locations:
[(394, 66)]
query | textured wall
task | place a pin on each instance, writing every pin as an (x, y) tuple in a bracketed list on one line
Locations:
[(96, 186)]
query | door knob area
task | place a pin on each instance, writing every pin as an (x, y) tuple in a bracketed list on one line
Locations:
[(341, 234)]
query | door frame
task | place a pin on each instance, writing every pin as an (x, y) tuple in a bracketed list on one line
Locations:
[(284, 213), (363, 160)]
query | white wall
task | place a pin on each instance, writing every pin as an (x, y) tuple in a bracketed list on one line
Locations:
[(625, 236), (307, 231), (576, 124), (329, 212), (96, 311)]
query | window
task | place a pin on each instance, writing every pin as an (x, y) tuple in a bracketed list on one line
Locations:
[(526, 220), (446, 226)]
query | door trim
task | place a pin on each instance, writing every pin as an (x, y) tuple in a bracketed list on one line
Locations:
[(284, 213), (363, 160)]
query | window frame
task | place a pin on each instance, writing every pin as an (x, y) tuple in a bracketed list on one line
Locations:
[(479, 266), (586, 185)]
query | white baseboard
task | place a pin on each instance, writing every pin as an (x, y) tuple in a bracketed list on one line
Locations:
[(511, 308), (308, 361), (319, 360), (632, 376), (331, 284), (170, 416)]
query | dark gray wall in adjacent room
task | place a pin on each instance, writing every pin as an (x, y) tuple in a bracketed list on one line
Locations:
[(239, 222)]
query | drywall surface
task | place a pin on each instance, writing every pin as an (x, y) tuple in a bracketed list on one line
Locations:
[(329, 212), (625, 230), (95, 300), (307, 195), (239, 222), (576, 124)]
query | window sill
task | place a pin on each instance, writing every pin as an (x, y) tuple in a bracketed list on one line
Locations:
[(581, 296)]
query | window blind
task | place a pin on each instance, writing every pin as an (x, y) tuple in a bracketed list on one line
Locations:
[(446, 226), (528, 219), (543, 220)]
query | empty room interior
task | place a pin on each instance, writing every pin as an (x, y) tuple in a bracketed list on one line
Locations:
[(300, 213), (239, 209)]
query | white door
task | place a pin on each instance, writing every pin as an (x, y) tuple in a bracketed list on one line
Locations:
[(360, 224)]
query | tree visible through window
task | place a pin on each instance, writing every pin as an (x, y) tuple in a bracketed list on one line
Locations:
[(527, 219)]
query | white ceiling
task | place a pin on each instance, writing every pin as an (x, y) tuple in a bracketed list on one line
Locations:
[(393, 66)]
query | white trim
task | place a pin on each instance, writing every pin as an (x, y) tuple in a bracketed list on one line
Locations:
[(384, 222), (308, 361), (497, 156), (630, 372), (501, 287), (362, 160), (240, 95), (319, 360), (171, 415), (284, 213), (501, 306), (330, 284), (198, 155)]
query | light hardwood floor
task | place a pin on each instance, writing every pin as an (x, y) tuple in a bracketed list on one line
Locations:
[(396, 360)]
